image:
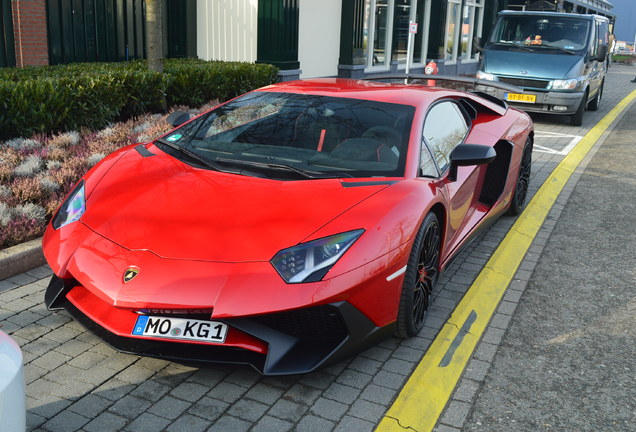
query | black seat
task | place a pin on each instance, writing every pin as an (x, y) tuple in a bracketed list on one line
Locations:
[(361, 149)]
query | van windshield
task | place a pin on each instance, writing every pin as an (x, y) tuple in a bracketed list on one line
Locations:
[(552, 34)]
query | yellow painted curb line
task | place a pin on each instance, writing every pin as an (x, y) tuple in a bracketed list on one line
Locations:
[(425, 394)]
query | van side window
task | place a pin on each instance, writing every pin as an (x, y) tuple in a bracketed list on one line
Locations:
[(594, 39), (603, 34)]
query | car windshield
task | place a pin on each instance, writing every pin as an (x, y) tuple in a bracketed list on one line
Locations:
[(289, 136), (538, 32)]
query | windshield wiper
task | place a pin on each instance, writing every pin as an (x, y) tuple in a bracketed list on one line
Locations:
[(512, 45), (192, 155), (282, 167), (565, 50)]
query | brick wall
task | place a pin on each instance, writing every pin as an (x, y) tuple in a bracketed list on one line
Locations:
[(29, 28)]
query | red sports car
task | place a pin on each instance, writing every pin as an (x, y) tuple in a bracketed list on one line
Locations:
[(289, 227)]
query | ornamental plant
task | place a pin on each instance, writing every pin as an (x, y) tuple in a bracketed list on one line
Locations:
[(37, 173)]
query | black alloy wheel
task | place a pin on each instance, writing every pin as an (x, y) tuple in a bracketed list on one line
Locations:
[(523, 181), (421, 276)]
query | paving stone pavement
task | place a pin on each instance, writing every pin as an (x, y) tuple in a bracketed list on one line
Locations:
[(77, 383)]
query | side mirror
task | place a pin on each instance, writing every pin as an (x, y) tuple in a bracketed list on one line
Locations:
[(477, 44), (602, 53), (470, 154), (178, 118)]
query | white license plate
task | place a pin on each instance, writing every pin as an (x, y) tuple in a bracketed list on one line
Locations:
[(180, 328)]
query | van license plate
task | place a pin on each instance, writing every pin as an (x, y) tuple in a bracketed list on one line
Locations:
[(524, 98), (180, 328)]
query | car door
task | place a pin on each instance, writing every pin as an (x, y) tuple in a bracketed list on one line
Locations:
[(446, 125)]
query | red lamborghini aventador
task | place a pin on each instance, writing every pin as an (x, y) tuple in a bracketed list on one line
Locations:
[(289, 227)]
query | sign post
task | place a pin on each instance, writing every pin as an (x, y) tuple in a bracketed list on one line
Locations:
[(409, 45)]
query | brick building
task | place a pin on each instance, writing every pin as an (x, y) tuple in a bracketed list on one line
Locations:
[(30, 34)]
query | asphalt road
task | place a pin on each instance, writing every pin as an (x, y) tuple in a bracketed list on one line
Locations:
[(568, 360)]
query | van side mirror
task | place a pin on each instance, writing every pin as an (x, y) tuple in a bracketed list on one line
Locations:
[(477, 44), (178, 118), (602, 53), (469, 154)]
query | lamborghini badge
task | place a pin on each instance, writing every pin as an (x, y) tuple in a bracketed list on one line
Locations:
[(130, 274)]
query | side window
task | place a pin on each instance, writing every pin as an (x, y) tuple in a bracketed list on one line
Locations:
[(594, 41), (444, 128), (427, 164), (603, 36)]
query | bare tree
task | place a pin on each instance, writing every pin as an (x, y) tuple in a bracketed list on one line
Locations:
[(154, 35)]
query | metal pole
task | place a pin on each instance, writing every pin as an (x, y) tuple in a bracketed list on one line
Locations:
[(409, 52)]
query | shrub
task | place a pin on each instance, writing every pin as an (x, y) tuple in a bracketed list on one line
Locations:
[(194, 83), (624, 58), (92, 95)]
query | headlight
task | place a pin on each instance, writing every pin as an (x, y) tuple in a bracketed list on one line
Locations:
[(309, 262), (72, 209), (564, 84), (485, 76)]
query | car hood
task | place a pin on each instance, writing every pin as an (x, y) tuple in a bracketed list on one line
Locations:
[(532, 65), (160, 204)]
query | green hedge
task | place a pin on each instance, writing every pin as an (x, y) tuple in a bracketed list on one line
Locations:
[(624, 58), (69, 97)]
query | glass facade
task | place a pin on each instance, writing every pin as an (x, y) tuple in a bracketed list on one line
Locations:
[(462, 25), (386, 31)]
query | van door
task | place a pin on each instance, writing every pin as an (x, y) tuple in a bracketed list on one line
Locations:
[(600, 37)]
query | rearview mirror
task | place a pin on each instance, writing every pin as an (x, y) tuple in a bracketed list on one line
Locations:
[(601, 54), (470, 154), (477, 44), (178, 118)]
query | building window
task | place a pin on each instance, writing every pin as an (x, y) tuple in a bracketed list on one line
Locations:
[(378, 32), (453, 24), (386, 31), (420, 46), (471, 27), (461, 26), (401, 31)]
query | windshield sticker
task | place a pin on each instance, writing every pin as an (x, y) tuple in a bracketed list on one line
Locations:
[(174, 137)]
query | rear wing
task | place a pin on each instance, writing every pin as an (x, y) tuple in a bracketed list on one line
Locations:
[(456, 83)]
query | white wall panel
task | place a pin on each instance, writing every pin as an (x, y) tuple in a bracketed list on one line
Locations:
[(319, 37), (226, 29)]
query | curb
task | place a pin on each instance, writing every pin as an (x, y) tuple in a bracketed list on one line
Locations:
[(21, 258)]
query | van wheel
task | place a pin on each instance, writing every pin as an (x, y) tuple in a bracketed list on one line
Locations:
[(593, 105), (577, 118)]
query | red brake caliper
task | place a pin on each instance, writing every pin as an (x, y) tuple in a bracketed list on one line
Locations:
[(422, 272)]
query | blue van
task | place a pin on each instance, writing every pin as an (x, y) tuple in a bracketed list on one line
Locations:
[(558, 59)]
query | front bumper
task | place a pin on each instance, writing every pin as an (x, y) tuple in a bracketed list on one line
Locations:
[(545, 103), (282, 343)]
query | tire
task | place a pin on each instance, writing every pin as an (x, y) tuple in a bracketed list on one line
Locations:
[(421, 276), (577, 118), (594, 103), (519, 195)]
